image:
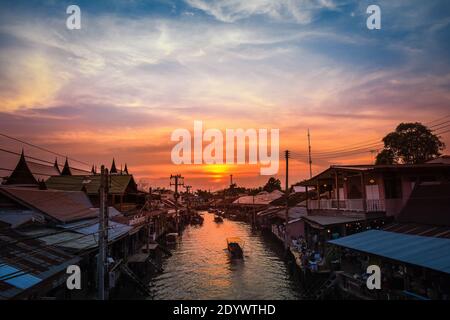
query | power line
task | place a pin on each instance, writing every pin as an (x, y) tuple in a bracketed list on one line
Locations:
[(29, 157), (37, 159), (439, 119), (356, 151), (337, 152), (41, 174), (444, 132), (372, 142), (42, 149)]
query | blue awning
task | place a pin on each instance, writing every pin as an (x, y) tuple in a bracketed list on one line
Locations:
[(427, 252)]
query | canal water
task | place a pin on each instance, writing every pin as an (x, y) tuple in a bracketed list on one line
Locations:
[(200, 267)]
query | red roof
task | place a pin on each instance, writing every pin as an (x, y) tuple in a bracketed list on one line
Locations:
[(64, 206)]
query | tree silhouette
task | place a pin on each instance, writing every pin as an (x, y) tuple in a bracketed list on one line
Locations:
[(410, 143), (272, 184)]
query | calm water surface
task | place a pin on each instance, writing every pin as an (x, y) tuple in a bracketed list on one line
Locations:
[(200, 267)]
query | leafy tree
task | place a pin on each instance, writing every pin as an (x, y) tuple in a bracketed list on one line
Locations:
[(272, 184), (254, 191), (204, 194), (386, 156), (410, 143)]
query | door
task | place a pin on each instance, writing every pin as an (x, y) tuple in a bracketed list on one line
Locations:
[(372, 192)]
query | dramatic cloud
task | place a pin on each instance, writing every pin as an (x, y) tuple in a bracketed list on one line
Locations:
[(138, 70), (300, 11)]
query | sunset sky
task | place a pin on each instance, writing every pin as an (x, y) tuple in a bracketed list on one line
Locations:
[(137, 70)]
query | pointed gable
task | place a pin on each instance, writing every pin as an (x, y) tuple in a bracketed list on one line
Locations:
[(125, 169), (56, 165), (22, 173), (66, 170), (113, 167)]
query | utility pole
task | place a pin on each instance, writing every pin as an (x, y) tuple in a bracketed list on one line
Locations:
[(254, 213), (286, 240), (309, 155), (103, 234), (178, 181), (148, 219), (188, 188)]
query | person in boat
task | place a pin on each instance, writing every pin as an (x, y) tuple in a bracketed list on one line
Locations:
[(234, 247)]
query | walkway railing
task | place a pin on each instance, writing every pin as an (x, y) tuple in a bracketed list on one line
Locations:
[(348, 204)]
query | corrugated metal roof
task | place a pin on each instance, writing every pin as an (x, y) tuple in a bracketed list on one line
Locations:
[(294, 212), (22, 281), (419, 229), (427, 252), (27, 262), (16, 218), (260, 198), (64, 206), (80, 235)]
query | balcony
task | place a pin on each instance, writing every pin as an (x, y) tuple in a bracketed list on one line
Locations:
[(348, 205)]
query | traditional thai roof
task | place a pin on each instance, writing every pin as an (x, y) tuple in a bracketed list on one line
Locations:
[(125, 170), (30, 173), (113, 167), (66, 170), (22, 174), (56, 166), (71, 171), (119, 184)]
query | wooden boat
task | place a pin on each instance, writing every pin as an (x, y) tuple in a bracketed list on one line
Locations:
[(218, 219), (171, 238), (234, 246), (197, 219)]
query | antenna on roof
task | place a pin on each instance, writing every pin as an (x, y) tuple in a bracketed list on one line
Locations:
[(309, 155)]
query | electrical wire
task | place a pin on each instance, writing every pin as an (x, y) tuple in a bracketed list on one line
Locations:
[(41, 148), (37, 159)]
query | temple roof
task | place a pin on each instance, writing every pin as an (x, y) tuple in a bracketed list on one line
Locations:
[(66, 170), (30, 173), (120, 184), (113, 167)]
